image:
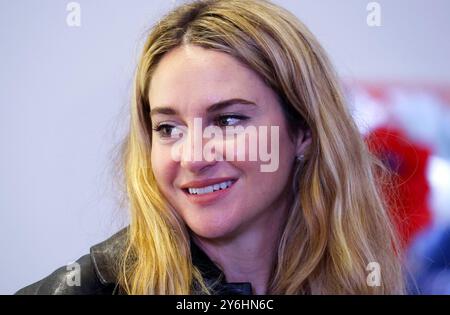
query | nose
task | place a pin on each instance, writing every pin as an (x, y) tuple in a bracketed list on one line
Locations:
[(192, 157)]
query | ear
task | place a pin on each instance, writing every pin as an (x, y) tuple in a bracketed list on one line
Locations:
[(303, 142)]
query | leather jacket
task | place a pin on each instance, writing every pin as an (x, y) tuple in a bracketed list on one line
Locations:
[(98, 276)]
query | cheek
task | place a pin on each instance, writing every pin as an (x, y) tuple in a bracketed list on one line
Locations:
[(267, 175), (163, 169), (275, 161)]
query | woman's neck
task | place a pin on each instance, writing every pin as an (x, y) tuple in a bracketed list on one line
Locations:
[(248, 256)]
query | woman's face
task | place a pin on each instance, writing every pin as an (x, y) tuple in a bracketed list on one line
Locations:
[(192, 82)]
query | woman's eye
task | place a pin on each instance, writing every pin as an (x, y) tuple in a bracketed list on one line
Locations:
[(168, 131), (229, 120)]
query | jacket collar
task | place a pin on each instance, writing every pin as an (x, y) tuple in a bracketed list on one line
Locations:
[(214, 277), (104, 255)]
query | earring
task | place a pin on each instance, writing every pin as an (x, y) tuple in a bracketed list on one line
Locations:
[(300, 157)]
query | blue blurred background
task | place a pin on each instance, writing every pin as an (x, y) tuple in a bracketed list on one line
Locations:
[(64, 97)]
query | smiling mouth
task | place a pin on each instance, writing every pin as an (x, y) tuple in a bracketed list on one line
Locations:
[(211, 189)]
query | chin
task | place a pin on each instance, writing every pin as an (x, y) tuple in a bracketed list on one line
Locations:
[(208, 230)]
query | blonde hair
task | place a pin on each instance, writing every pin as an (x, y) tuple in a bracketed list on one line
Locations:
[(338, 222)]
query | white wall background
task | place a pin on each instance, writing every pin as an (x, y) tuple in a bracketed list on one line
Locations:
[(64, 95)]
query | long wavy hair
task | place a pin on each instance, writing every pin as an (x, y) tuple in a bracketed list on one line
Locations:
[(338, 222)]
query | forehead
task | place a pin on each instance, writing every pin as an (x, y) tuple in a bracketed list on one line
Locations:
[(191, 77)]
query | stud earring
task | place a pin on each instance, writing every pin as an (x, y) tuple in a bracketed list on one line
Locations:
[(300, 157)]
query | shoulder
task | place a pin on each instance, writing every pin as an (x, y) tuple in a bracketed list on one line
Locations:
[(93, 273), (77, 278)]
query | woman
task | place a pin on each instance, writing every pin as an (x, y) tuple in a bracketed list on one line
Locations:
[(309, 223)]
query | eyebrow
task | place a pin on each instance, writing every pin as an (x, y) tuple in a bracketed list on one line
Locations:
[(212, 108)]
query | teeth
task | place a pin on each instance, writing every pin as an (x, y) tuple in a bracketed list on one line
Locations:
[(210, 189)]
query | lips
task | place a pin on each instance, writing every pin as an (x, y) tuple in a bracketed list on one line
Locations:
[(209, 197)]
